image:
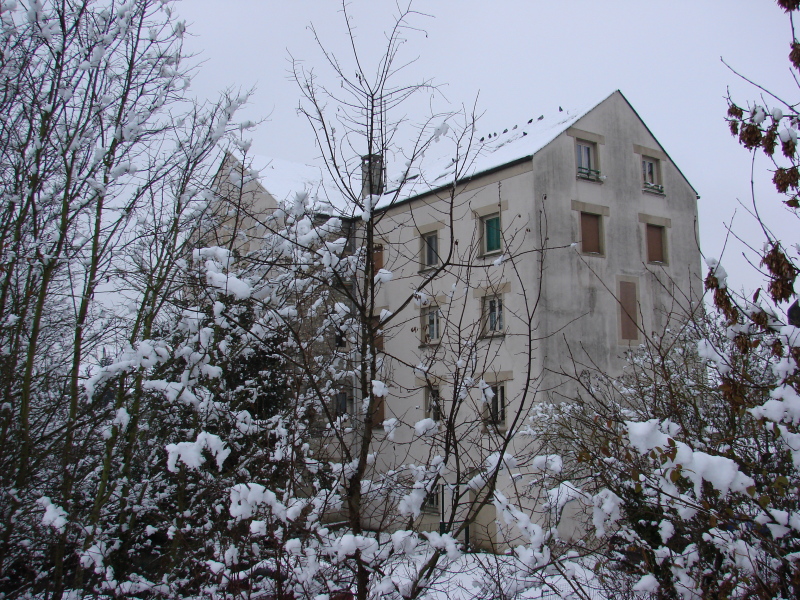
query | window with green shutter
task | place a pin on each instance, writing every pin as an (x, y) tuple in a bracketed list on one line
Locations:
[(491, 234)]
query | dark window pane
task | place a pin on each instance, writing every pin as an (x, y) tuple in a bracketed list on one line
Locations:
[(497, 406), (431, 249)]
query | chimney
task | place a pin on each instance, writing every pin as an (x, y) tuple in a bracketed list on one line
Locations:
[(371, 175)]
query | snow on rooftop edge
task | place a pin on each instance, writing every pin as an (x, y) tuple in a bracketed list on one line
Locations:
[(283, 178), (496, 149)]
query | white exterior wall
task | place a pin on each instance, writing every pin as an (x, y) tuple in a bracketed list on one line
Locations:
[(584, 287), (577, 314)]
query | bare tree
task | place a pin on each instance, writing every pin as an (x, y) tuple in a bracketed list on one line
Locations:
[(103, 159), (407, 487)]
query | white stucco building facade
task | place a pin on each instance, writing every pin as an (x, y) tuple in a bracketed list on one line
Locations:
[(568, 239)]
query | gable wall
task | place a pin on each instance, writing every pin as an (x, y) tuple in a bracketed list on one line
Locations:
[(572, 295)]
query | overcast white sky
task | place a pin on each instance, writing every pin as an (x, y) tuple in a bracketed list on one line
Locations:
[(524, 58)]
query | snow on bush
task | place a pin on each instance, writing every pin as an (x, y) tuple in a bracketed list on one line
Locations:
[(54, 516), (390, 426), (606, 511), (426, 427), (191, 453), (709, 353), (697, 466)]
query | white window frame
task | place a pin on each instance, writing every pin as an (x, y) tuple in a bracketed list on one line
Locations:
[(496, 406), (587, 165), (651, 175), (430, 253), (431, 323), (433, 396), (433, 500), (493, 315), (485, 238)]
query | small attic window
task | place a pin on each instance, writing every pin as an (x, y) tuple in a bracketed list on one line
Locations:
[(588, 167), (651, 175)]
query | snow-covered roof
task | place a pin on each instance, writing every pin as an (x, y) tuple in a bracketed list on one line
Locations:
[(495, 148)]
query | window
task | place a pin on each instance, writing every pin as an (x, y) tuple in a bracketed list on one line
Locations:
[(493, 315), (433, 409), (490, 235), (591, 233), (377, 341), (433, 500), (495, 396), (655, 243), (344, 404), (628, 313), (430, 250), (379, 414), (377, 256), (340, 339), (431, 330), (586, 160), (651, 175)]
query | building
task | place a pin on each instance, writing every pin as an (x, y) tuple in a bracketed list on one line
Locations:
[(565, 242)]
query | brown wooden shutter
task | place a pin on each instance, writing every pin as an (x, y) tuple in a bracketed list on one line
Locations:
[(655, 243), (629, 316), (379, 416), (590, 233), (377, 256), (378, 340)]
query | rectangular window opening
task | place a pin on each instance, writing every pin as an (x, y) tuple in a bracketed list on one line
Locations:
[(379, 415), (591, 234), (377, 257), (341, 404), (431, 325), (655, 244), (586, 160), (651, 175), (496, 413), (433, 500), (491, 234), (433, 409), (493, 315), (430, 249), (377, 339), (629, 315)]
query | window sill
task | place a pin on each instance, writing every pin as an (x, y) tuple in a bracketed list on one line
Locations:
[(654, 191), (428, 268), (591, 178), (491, 254), (595, 254), (489, 427), (493, 335), (431, 344), (658, 263)]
